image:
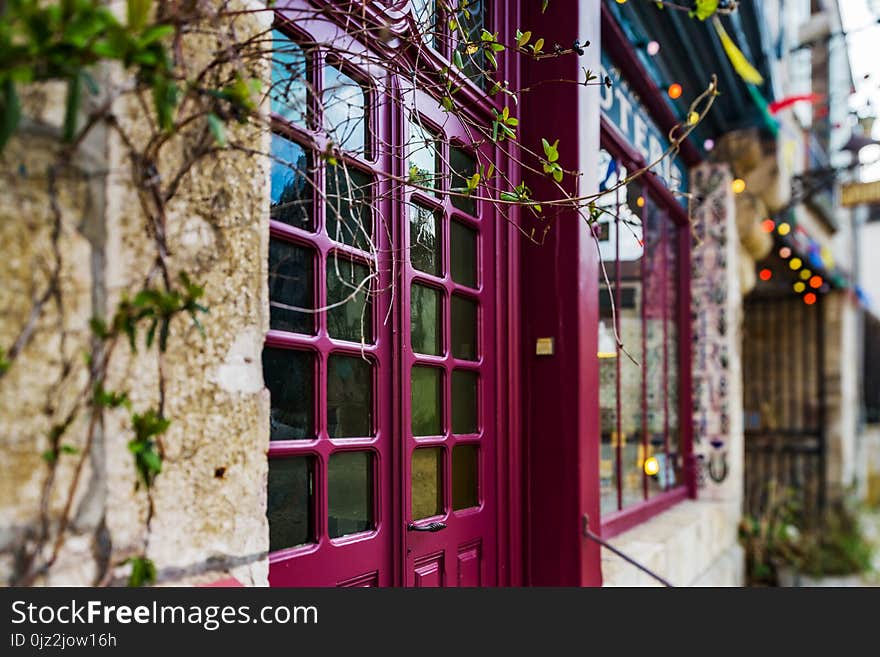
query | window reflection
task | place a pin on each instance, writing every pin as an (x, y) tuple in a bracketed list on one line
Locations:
[(350, 493), (291, 286), (345, 111), (348, 284), (349, 397), (291, 190), (349, 206), (289, 93)]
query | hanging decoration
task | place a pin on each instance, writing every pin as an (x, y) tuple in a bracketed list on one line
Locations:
[(737, 59), (784, 103)]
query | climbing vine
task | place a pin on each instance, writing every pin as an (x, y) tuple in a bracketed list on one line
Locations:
[(196, 72)]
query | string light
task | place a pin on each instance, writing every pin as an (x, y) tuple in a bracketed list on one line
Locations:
[(739, 186), (784, 228), (640, 201), (765, 274), (816, 282), (693, 118), (652, 466), (675, 91), (709, 144), (768, 225), (785, 253), (799, 287), (795, 263), (809, 298), (805, 274), (653, 48)]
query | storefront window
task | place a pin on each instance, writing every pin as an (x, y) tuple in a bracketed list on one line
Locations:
[(638, 341)]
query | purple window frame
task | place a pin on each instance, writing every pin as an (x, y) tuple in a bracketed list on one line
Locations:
[(623, 519)]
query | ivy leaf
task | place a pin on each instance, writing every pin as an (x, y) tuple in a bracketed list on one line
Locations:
[(456, 58), (10, 111), (138, 11), (217, 129), (143, 572)]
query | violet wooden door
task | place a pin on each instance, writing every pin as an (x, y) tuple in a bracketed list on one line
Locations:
[(448, 358), (382, 463)]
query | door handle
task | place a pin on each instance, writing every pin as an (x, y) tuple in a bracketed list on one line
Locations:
[(430, 527)]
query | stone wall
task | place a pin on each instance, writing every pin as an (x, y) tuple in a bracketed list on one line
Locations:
[(209, 500)]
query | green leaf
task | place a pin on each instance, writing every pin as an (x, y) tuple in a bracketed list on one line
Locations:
[(49, 456), (74, 95), (509, 197), (523, 38), (155, 33), (544, 5), (217, 129), (537, 46), (10, 112), (457, 60), (69, 449), (143, 571), (490, 56)]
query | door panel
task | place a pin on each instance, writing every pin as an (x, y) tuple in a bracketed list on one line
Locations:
[(448, 359)]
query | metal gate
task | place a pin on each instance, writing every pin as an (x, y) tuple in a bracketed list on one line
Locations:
[(784, 400)]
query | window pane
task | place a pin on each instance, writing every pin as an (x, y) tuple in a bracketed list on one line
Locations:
[(290, 377), (349, 397), (424, 239), (464, 166), (463, 250), (291, 184), (464, 328), (427, 403), (464, 402), (425, 319), (656, 363), (354, 319), (473, 23), (424, 159), (289, 94), (291, 285), (345, 111), (464, 477), (427, 486), (674, 474), (350, 493), (289, 502), (349, 211), (425, 13)]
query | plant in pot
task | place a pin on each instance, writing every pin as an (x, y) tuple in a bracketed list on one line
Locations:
[(772, 538), (834, 553)]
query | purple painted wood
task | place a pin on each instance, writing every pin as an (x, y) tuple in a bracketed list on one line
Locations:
[(467, 551)]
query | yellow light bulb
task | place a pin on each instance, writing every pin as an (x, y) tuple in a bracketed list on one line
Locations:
[(640, 201), (784, 228), (652, 466), (799, 287), (738, 186), (795, 263), (805, 274), (693, 118)]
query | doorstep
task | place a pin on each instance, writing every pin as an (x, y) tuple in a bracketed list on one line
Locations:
[(693, 543)]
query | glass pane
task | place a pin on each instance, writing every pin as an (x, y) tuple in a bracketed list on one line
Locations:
[(291, 285), (655, 353), (464, 328), (289, 94), (350, 493), (463, 251), (673, 474), (290, 377), (427, 486), (472, 22), (349, 397), (424, 159), (425, 320), (348, 281), (464, 402), (291, 185), (425, 13), (464, 477), (427, 402), (289, 502), (464, 166), (424, 239), (349, 212), (620, 308), (345, 111)]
